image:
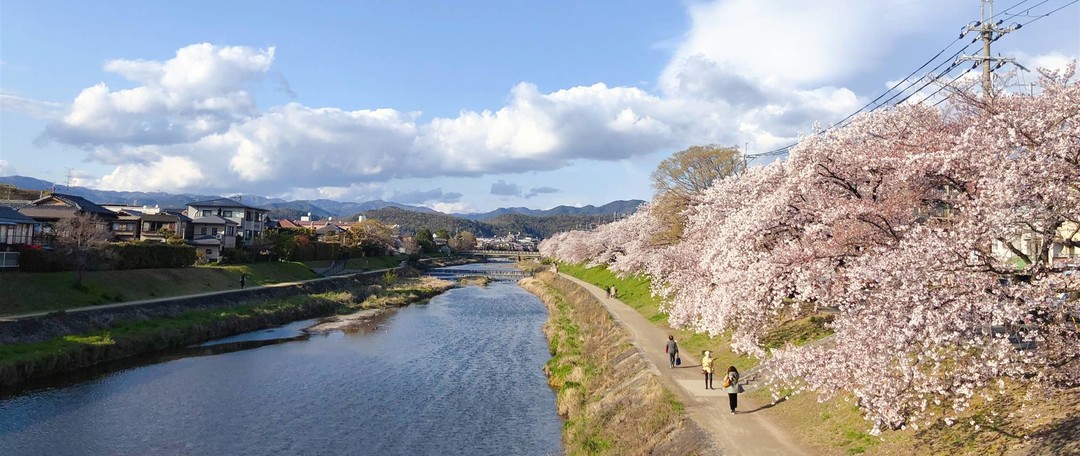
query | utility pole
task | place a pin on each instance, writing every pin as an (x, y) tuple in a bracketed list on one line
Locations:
[(989, 32)]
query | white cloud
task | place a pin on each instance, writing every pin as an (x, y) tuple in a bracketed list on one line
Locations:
[(540, 190), (727, 82), (34, 108), (1054, 61), (503, 188), (6, 169), (198, 92), (167, 173), (789, 42), (454, 208), (421, 197)]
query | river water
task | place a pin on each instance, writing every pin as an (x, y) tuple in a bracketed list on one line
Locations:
[(461, 374)]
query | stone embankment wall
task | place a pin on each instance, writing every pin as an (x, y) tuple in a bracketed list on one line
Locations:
[(57, 324), (611, 400)]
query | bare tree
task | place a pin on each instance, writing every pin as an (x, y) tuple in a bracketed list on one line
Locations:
[(83, 239), (685, 174)]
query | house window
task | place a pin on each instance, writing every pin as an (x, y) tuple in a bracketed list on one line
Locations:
[(203, 230), (226, 213), (207, 212), (213, 231), (229, 231), (209, 251), (247, 215)]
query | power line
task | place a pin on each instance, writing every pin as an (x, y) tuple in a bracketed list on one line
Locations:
[(988, 33)]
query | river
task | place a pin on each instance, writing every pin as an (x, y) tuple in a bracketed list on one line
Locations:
[(461, 374)]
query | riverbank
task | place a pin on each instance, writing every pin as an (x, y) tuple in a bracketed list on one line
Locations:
[(26, 292), (611, 400), (20, 363)]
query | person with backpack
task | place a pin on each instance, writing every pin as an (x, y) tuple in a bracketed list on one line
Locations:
[(672, 350), (731, 386)]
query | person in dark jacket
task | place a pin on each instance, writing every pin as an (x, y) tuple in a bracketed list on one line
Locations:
[(243, 280), (672, 350), (731, 386)]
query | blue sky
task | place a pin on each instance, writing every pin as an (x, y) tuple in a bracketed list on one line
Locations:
[(459, 106)]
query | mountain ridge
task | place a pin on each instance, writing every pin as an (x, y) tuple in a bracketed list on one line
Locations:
[(318, 208)]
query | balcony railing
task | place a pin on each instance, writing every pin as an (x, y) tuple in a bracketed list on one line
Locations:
[(17, 239), (9, 260)]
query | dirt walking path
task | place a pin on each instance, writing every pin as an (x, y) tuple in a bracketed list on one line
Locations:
[(745, 432)]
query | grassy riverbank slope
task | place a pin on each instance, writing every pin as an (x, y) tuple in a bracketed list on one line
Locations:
[(22, 362), (26, 292), (611, 401), (1022, 422)]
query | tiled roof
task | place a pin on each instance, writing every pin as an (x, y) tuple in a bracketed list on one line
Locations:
[(214, 220), (15, 204), (168, 218), (286, 223), (9, 215), (205, 240), (79, 203), (222, 202)]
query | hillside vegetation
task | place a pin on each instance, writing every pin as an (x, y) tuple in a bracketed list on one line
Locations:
[(543, 227)]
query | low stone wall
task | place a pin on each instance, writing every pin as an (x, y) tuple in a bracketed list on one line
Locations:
[(57, 324)]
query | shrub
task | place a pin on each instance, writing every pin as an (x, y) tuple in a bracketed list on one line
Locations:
[(152, 255)]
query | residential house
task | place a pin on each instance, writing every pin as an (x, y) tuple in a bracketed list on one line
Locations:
[(213, 234), (1064, 248), (250, 221), (58, 206), (126, 226), (155, 226), (15, 229)]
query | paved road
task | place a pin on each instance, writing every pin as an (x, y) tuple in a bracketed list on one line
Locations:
[(745, 432)]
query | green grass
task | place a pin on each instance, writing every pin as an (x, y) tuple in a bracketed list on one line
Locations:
[(633, 290), (373, 263), (799, 332), (636, 292), (10, 353), (49, 291), (151, 332), (363, 263)]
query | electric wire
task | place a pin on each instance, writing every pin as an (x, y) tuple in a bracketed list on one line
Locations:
[(784, 150)]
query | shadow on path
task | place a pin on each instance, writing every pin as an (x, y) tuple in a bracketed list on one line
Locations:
[(767, 406)]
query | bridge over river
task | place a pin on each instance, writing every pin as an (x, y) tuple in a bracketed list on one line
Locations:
[(493, 273), (518, 254)]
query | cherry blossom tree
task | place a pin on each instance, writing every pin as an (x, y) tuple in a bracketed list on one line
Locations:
[(891, 222)]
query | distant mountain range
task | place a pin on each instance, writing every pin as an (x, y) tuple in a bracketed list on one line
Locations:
[(319, 209)]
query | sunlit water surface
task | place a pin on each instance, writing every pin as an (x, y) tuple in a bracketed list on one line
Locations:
[(459, 375)]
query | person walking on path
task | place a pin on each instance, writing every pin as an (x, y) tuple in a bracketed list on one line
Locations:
[(707, 369), (731, 385), (672, 350), (243, 280), (614, 292)]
